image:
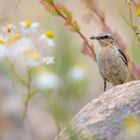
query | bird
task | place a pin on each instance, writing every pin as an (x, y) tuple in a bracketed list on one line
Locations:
[(111, 60)]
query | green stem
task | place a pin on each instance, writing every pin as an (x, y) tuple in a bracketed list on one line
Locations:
[(14, 74), (54, 113), (29, 93), (131, 25)]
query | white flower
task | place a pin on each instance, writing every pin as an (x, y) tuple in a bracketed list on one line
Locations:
[(31, 58), (17, 45), (47, 60), (2, 52), (9, 28), (28, 27), (2, 40), (2, 47), (46, 81), (47, 38), (77, 73)]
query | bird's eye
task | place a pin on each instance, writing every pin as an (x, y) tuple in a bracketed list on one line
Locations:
[(106, 37)]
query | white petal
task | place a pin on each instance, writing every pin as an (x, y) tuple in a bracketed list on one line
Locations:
[(22, 24), (45, 81), (35, 24), (42, 37), (2, 52), (77, 73), (50, 60), (50, 43)]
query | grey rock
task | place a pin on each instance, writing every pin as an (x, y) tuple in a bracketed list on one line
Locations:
[(104, 117)]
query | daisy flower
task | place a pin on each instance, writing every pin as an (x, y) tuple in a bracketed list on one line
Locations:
[(2, 47), (47, 38), (77, 73), (48, 60), (46, 80), (9, 28), (2, 40), (17, 45), (28, 27), (138, 12), (31, 58)]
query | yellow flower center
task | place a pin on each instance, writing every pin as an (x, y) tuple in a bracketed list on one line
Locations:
[(49, 34), (13, 39), (138, 12), (32, 54), (16, 37), (28, 23), (1, 41)]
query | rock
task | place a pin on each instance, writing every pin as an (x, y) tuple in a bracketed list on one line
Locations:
[(114, 115)]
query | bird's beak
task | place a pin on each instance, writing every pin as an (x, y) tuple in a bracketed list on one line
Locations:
[(95, 37)]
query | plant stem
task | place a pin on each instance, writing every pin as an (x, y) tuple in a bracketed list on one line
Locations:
[(14, 73), (78, 32), (29, 93)]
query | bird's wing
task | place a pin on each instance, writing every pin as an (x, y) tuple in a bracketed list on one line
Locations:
[(123, 56)]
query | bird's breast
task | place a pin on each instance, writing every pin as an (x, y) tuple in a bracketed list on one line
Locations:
[(111, 64), (107, 57)]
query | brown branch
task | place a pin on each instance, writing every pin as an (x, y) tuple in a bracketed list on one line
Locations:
[(136, 3), (89, 47)]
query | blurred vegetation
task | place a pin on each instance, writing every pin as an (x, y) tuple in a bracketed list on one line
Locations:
[(51, 67)]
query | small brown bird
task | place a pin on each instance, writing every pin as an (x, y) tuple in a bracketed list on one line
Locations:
[(111, 60)]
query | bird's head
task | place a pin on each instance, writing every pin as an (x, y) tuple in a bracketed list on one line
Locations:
[(105, 39)]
